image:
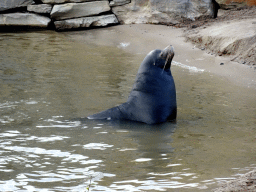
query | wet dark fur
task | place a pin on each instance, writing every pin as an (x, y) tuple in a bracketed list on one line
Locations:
[(153, 96)]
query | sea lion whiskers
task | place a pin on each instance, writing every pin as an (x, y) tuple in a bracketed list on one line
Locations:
[(166, 61), (167, 54)]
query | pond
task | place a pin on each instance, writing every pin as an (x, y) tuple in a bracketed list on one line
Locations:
[(49, 83)]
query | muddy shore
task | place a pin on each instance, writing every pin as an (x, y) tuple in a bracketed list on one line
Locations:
[(246, 182), (142, 38), (231, 34)]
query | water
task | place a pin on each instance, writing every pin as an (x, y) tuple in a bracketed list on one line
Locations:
[(49, 82)]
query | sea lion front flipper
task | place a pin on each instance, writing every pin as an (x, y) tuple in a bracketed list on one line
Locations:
[(109, 114)]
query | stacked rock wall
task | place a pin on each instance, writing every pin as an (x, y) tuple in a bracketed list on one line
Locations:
[(14, 14), (80, 15), (73, 14), (64, 14)]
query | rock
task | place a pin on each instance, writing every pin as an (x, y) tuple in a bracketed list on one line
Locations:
[(65, 1), (24, 19), (73, 10), (40, 8), (11, 4), (227, 4), (119, 2), (163, 11), (103, 20)]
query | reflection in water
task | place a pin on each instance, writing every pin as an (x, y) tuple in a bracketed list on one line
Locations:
[(48, 83)]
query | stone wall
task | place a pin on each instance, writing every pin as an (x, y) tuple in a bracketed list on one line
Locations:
[(64, 14), (73, 14)]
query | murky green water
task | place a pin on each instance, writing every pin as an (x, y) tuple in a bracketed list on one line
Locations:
[(49, 81)]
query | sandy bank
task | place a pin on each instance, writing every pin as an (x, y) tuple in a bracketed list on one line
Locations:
[(230, 34), (236, 39), (142, 38)]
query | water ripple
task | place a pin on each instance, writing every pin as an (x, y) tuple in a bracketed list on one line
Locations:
[(190, 68), (100, 146)]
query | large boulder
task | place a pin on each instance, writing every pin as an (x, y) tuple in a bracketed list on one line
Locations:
[(24, 20), (163, 11), (83, 22), (40, 8), (74, 10), (65, 1), (11, 4)]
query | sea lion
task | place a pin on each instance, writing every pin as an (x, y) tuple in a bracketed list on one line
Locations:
[(153, 96)]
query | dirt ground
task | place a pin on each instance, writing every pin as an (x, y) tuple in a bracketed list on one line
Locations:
[(231, 34), (223, 15), (247, 182)]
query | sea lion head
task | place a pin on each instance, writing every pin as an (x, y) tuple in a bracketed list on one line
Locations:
[(158, 58)]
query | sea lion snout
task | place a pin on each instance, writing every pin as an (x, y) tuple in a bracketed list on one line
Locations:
[(167, 52)]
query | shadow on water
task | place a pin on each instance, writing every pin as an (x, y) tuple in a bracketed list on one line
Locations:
[(153, 140), (155, 137)]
